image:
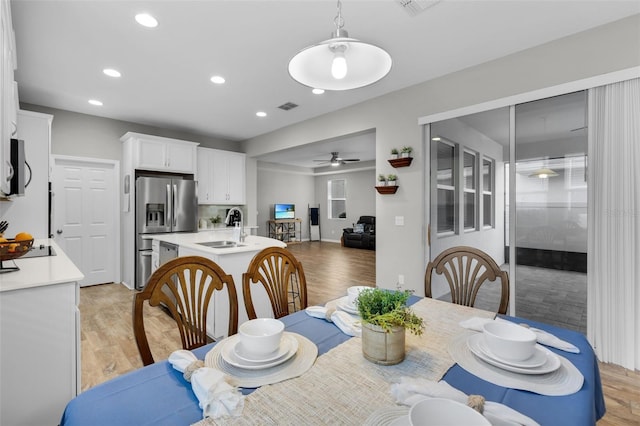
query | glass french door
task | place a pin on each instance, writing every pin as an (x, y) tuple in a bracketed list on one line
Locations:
[(512, 182)]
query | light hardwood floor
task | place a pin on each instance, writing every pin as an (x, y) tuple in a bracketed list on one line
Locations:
[(109, 350)]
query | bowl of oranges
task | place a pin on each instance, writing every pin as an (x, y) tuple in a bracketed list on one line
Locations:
[(16, 247)]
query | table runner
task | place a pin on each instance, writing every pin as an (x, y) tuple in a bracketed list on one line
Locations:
[(344, 388)]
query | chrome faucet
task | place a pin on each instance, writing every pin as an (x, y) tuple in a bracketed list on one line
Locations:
[(239, 210)]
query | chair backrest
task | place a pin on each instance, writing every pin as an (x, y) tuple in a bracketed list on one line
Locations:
[(466, 269), (282, 276), (185, 287), (369, 223)]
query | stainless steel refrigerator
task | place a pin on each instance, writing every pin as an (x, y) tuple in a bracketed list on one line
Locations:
[(163, 205)]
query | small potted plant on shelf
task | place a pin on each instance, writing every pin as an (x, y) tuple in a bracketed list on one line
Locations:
[(391, 180), (382, 180), (406, 151), (394, 153), (385, 319)]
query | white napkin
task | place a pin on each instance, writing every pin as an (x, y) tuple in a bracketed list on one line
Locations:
[(543, 337), (345, 322), (216, 397), (412, 390), (318, 312)]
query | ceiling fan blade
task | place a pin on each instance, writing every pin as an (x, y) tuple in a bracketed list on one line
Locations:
[(349, 159)]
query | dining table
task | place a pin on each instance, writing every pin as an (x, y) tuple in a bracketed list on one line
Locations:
[(158, 394)]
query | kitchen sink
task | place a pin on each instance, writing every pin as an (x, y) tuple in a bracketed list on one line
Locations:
[(221, 244)]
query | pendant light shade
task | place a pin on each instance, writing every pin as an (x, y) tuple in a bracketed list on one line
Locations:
[(543, 173), (340, 63)]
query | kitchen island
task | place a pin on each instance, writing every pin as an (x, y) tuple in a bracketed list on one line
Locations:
[(234, 259), (39, 337)]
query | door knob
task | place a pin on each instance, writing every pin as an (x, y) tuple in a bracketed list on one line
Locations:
[(59, 231)]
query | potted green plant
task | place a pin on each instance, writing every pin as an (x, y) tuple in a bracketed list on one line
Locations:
[(385, 319), (406, 151), (391, 180), (382, 180), (394, 153)]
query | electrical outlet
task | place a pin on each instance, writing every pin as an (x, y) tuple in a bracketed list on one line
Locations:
[(399, 220), (401, 279)]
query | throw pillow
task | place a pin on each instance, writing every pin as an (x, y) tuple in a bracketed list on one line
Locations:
[(358, 228)]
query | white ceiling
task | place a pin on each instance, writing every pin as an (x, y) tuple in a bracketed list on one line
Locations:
[(62, 47)]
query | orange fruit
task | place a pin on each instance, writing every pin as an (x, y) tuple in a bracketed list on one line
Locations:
[(13, 247), (23, 236), (3, 240)]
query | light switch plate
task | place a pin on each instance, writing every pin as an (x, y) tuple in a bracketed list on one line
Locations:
[(399, 220)]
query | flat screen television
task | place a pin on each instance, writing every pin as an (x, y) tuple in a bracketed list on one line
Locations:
[(284, 211)]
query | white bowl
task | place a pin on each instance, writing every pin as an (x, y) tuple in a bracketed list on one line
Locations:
[(444, 412), (509, 341), (354, 292), (261, 336)]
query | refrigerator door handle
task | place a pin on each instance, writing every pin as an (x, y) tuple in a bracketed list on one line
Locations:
[(168, 207), (175, 205)]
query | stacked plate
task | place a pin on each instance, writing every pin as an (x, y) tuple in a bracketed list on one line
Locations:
[(233, 353), (344, 305), (542, 361)]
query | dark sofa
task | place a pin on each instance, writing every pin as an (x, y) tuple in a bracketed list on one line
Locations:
[(362, 235)]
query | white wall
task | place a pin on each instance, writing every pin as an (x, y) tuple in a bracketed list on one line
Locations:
[(83, 135), (402, 249), (361, 201), (288, 185)]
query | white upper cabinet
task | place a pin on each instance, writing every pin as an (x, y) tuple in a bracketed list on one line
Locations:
[(9, 93), (221, 177), (162, 154)]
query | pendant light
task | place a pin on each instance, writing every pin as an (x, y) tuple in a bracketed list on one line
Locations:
[(543, 173), (340, 63)]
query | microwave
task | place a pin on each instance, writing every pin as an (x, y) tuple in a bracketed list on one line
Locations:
[(18, 181)]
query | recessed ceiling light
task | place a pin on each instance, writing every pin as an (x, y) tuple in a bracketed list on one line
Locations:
[(261, 114), (217, 79), (146, 20), (95, 102), (317, 91), (435, 138), (111, 72)]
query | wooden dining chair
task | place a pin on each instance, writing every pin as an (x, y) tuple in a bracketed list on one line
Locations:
[(466, 270), (184, 286), (282, 277)]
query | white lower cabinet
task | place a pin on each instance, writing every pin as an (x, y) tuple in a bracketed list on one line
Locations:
[(39, 353)]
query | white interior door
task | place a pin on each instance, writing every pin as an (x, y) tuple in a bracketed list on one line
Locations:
[(85, 216)]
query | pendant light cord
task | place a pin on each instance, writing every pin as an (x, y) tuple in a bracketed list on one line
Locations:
[(338, 20)]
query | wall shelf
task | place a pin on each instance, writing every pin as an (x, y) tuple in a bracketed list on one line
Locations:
[(401, 162), (387, 189)]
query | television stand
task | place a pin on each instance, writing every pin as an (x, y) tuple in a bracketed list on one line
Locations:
[(285, 230)]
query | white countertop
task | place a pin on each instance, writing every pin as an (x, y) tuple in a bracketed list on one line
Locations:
[(252, 242), (40, 271)]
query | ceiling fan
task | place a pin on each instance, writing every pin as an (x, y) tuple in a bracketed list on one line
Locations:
[(335, 160)]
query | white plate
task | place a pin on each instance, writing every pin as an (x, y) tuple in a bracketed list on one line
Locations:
[(538, 358), (478, 348), (229, 356), (344, 305), (241, 353)]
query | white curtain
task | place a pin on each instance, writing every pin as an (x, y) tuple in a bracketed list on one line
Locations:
[(613, 317)]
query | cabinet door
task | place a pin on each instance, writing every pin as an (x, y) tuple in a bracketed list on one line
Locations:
[(181, 157), (151, 155), (204, 176), (220, 178), (236, 174)]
